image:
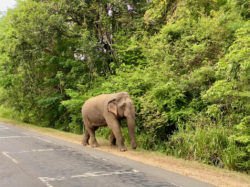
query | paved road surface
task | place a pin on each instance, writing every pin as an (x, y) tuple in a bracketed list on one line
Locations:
[(29, 159)]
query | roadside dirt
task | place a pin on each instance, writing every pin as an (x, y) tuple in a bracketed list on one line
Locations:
[(209, 174)]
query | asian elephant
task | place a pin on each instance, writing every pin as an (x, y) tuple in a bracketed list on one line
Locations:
[(109, 110)]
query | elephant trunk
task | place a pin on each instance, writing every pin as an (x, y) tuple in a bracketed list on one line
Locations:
[(131, 129)]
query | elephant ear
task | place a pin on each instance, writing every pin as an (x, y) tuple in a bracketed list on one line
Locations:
[(112, 107)]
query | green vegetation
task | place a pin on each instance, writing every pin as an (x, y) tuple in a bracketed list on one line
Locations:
[(186, 65)]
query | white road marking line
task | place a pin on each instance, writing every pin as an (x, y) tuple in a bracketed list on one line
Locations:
[(26, 136), (25, 133), (8, 156), (103, 173), (175, 184), (135, 171), (43, 179), (93, 174), (41, 150), (47, 180), (37, 137), (44, 140), (4, 128), (34, 150), (8, 137)]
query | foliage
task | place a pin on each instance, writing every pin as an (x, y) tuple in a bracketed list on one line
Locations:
[(185, 64)]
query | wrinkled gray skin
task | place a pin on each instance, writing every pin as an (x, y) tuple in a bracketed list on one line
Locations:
[(109, 110)]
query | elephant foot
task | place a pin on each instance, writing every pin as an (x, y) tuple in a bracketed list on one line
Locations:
[(95, 144), (134, 145), (123, 148), (85, 143), (113, 145)]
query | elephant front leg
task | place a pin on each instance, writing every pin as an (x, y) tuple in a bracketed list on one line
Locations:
[(112, 139), (115, 128)]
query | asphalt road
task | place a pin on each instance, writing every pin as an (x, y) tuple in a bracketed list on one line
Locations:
[(29, 159)]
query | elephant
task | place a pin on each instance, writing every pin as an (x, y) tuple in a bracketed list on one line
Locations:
[(109, 110)]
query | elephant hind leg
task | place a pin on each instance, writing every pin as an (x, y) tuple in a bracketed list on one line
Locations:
[(85, 140), (93, 141)]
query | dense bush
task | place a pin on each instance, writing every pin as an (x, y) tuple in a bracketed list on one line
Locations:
[(185, 64)]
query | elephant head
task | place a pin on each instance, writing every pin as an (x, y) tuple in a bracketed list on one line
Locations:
[(122, 106)]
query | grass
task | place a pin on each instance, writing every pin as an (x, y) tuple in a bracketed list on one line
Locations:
[(209, 174)]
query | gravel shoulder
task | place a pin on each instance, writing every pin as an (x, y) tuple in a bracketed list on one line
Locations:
[(209, 174)]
